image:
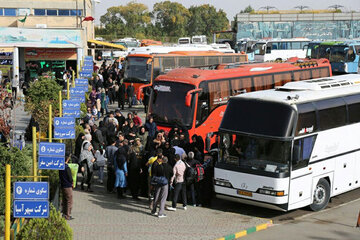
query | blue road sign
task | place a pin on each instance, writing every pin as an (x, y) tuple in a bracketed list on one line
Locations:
[(64, 122), (77, 91), (83, 87), (51, 162), (72, 112), (64, 133), (87, 68), (54, 149), (31, 190), (71, 104), (81, 81), (80, 99), (86, 74), (31, 209)]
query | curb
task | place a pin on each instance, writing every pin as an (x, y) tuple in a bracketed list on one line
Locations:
[(247, 231)]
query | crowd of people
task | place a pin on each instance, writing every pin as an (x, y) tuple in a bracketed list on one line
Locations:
[(136, 155)]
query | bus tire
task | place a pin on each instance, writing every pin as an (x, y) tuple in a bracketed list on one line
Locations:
[(321, 195)]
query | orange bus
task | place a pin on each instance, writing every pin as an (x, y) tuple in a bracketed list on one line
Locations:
[(143, 68), (150, 42), (196, 99)]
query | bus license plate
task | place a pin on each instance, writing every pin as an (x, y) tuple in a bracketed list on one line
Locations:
[(245, 193)]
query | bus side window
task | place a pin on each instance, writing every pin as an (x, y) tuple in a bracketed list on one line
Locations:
[(241, 85), (302, 151), (282, 78)]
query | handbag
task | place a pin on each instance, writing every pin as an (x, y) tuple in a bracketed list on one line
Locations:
[(159, 181)]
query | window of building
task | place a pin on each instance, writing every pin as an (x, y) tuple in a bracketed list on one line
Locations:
[(51, 12), (23, 11), (1, 11), (9, 12), (64, 12), (39, 12), (74, 12)]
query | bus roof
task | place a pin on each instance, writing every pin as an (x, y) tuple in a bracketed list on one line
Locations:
[(195, 76), (184, 53), (309, 90)]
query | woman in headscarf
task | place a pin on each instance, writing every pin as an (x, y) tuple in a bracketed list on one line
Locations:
[(121, 170)]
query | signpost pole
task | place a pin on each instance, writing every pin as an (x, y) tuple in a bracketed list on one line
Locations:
[(68, 89), (34, 153), (7, 201), (50, 123), (60, 106), (78, 70), (73, 78)]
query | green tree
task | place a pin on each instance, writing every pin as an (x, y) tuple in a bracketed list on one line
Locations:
[(205, 20), (248, 9), (127, 20), (171, 18), (41, 94)]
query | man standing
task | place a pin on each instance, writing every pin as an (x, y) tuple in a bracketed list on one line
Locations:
[(121, 95), (130, 93), (66, 182), (110, 154), (15, 85), (180, 185), (161, 190)]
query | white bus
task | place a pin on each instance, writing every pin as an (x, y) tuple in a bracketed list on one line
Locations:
[(280, 49), (293, 146)]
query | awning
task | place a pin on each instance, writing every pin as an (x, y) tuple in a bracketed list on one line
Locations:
[(105, 45)]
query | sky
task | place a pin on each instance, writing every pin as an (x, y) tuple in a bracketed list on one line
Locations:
[(232, 7)]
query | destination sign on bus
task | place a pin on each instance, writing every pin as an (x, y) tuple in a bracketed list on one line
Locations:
[(162, 88)]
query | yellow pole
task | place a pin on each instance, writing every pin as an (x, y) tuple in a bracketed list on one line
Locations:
[(68, 89), (34, 153), (7, 201), (50, 123), (78, 70), (60, 107), (73, 78)]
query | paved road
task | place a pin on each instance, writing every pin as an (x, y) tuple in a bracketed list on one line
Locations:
[(337, 223), (100, 215)]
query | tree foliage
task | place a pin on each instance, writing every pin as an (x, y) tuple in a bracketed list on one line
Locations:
[(41, 94), (248, 9), (171, 18), (55, 227), (205, 19), (167, 20), (126, 20)]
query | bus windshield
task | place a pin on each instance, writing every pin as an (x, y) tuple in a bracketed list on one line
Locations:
[(259, 49), (335, 53), (137, 69), (167, 104), (255, 153)]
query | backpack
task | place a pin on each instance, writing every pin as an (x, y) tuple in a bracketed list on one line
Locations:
[(199, 169), (190, 174)]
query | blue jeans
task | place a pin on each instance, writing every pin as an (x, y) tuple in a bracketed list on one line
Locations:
[(101, 173)]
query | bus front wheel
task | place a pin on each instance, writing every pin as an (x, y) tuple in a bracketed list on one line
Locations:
[(321, 195)]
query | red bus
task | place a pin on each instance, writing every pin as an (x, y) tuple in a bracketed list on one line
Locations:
[(196, 99), (142, 68)]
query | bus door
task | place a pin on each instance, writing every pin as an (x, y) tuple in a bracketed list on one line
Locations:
[(301, 175)]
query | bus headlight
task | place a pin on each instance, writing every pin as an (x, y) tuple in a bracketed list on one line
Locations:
[(223, 183), (270, 192)]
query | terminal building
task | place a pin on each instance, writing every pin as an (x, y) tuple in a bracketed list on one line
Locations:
[(44, 35), (317, 26)]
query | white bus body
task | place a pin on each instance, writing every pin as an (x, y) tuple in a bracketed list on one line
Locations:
[(280, 49), (291, 147)]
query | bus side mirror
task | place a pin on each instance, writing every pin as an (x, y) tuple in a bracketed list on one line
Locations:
[(188, 96), (208, 141)]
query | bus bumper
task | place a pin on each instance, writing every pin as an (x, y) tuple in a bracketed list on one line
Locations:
[(278, 207)]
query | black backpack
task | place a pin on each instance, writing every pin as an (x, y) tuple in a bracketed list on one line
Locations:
[(190, 174)]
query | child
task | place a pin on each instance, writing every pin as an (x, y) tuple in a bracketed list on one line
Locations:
[(94, 112)]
